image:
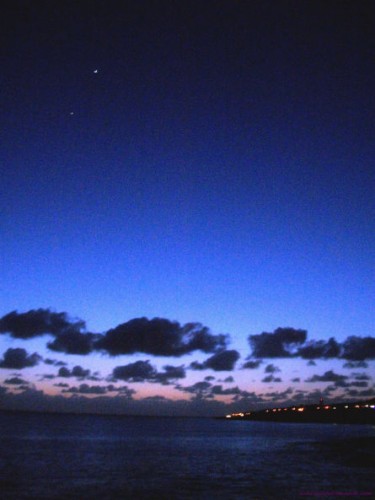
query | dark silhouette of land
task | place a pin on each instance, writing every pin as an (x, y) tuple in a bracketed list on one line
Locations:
[(359, 412)]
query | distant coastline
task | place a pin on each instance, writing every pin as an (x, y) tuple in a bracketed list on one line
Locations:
[(358, 412)]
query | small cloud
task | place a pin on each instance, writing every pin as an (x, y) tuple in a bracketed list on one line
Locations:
[(134, 372), (141, 371), (15, 381), (77, 372), (222, 361), (54, 362), (169, 373), (282, 343), (328, 376), (320, 349), (18, 358), (270, 378), (279, 396), (252, 364), (359, 383), (366, 393), (201, 390), (361, 376), (218, 390), (271, 369), (86, 389), (355, 364)]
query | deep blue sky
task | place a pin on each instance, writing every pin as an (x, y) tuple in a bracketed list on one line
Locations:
[(217, 168)]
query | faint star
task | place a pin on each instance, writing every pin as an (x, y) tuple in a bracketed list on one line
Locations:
[(96, 71), (71, 113)]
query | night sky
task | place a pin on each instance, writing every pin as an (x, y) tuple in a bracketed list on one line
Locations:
[(187, 204)]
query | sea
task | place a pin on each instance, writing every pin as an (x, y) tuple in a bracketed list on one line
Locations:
[(53, 456)]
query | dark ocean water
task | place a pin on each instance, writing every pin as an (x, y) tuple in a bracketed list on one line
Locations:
[(85, 456)]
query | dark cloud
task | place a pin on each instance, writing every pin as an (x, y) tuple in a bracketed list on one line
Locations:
[(3, 390), (282, 343), (311, 363), (37, 322), (120, 404), (332, 388), (320, 349), (135, 372), (201, 390), (54, 362), (229, 379), (125, 392), (206, 391), (64, 372), (18, 358), (355, 364), (205, 400), (361, 376), (80, 372), (252, 365), (163, 337), (70, 335), (77, 371), (359, 383), (61, 384), (279, 396), (270, 378), (86, 389), (288, 342), (209, 378), (246, 400), (341, 384), (328, 376), (15, 381), (359, 348), (271, 369), (222, 361), (297, 379), (160, 337), (217, 390), (366, 393), (170, 373), (74, 342), (141, 371)]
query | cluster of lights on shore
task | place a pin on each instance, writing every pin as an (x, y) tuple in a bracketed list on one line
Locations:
[(300, 409)]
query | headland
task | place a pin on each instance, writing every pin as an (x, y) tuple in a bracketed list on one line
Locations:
[(358, 412)]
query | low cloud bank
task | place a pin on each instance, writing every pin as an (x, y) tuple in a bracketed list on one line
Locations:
[(143, 371), (157, 336), (289, 342), (163, 337)]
